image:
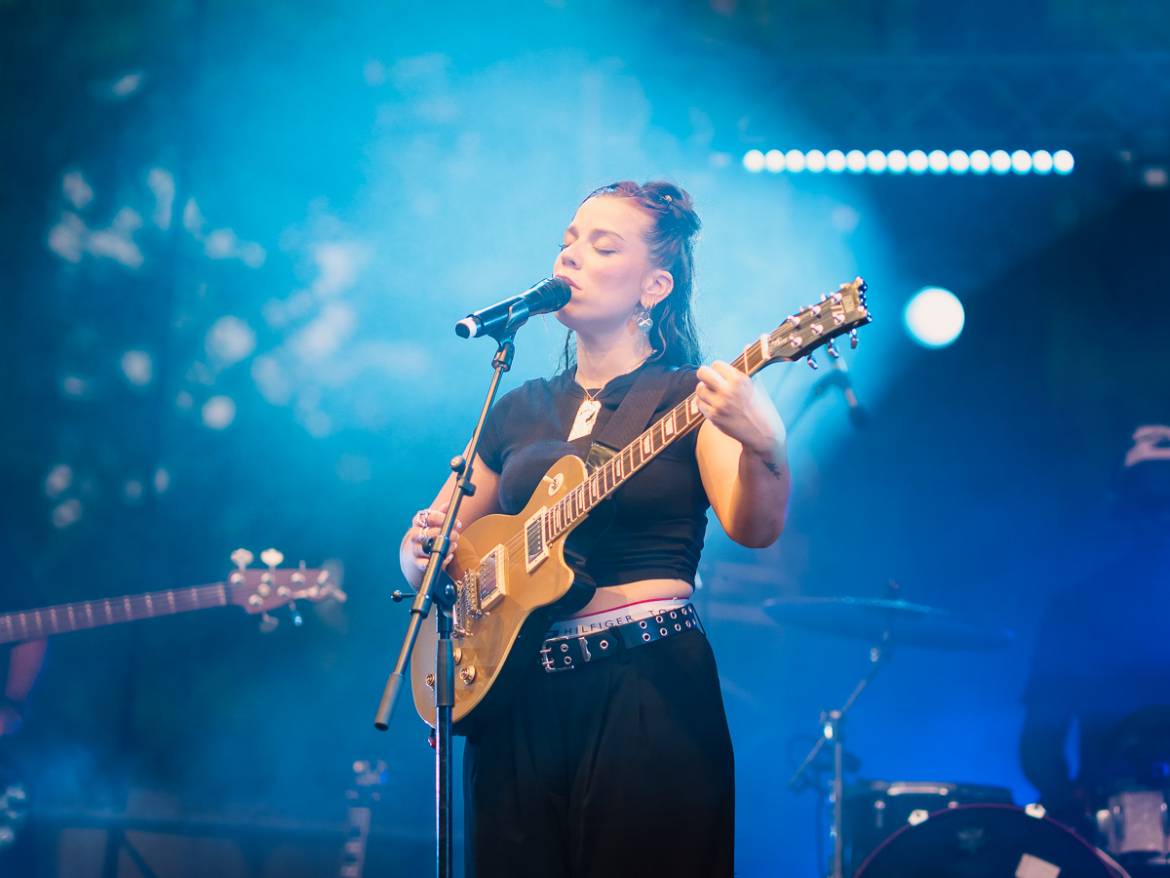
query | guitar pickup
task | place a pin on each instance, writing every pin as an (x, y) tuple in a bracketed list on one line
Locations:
[(535, 547), (489, 580)]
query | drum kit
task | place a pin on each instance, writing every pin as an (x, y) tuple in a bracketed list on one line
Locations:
[(933, 829)]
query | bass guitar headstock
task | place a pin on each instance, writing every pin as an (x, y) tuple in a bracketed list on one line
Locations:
[(262, 589)]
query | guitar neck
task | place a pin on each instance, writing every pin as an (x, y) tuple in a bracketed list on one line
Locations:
[(63, 618), (612, 474)]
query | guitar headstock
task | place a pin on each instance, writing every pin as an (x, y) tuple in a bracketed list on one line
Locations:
[(260, 589), (815, 325)]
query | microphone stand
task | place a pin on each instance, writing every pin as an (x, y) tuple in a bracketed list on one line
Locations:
[(437, 588)]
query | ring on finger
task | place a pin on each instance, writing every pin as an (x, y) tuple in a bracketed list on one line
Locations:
[(421, 517)]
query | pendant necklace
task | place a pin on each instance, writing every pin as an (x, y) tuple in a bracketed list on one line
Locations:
[(586, 414)]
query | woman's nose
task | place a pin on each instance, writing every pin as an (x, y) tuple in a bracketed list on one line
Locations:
[(567, 257)]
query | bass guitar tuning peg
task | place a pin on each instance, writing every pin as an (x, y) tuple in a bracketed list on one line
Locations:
[(242, 558), (812, 363), (272, 557), (853, 339), (831, 350)]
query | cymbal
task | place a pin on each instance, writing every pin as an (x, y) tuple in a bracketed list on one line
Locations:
[(908, 624)]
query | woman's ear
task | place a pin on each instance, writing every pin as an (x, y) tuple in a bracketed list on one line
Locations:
[(657, 287)]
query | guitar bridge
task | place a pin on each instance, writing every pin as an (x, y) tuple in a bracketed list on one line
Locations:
[(478, 590)]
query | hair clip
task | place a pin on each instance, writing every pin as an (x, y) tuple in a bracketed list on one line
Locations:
[(667, 199)]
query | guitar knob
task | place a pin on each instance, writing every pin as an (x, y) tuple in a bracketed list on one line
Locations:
[(457, 654), (467, 675)]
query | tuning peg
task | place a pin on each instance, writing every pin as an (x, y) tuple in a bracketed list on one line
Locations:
[(398, 595), (853, 339), (812, 363), (272, 557), (242, 558), (831, 350), (295, 614), (268, 623)]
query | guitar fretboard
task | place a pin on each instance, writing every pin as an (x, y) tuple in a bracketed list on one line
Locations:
[(612, 474), (62, 618)]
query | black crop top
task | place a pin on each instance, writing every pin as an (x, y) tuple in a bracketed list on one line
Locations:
[(652, 527)]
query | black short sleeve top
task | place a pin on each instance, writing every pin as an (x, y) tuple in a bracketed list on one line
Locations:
[(652, 527)]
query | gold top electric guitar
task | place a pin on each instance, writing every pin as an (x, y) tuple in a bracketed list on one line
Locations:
[(506, 567)]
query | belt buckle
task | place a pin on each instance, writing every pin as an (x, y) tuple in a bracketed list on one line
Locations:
[(546, 656)]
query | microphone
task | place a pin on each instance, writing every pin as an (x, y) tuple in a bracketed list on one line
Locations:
[(551, 294), (840, 377)]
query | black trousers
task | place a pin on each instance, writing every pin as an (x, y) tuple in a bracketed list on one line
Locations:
[(622, 768)]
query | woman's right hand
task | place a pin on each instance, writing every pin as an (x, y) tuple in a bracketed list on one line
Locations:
[(425, 525)]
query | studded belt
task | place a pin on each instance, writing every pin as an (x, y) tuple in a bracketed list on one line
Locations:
[(572, 651)]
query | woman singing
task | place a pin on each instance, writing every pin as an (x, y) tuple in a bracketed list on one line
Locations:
[(620, 767)]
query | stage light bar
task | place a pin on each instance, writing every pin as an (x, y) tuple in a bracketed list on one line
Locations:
[(915, 161)]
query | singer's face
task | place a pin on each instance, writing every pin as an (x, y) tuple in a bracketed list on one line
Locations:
[(605, 258)]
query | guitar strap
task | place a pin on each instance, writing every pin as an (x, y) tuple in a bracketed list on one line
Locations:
[(631, 417)]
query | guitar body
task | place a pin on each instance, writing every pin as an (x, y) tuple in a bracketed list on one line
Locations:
[(512, 591)]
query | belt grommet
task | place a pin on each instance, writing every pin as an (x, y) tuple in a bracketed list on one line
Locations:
[(674, 615), (646, 636), (568, 660), (677, 627), (688, 623), (604, 644), (641, 624), (658, 619), (564, 647), (663, 632)]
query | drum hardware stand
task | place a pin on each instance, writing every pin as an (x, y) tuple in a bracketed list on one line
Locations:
[(437, 588), (833, 734)]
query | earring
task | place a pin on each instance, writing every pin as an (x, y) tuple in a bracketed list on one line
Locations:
[(642, 318)]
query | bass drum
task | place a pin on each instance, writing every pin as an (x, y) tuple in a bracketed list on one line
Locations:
[(987, 841)]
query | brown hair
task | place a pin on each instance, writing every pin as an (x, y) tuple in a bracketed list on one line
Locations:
[(673, 338)]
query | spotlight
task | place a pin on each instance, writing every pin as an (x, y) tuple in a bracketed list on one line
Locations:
[(1062, 161), (794, 160), (934, 317), (753, 161), (1021, 161), (855, 161), (835, 161), (960, 162), (1041, 162), (774, 161), (980, 162), (938, 161), (896, 161), (1001, 162), (876, 161), (917, 161), (815, 161)]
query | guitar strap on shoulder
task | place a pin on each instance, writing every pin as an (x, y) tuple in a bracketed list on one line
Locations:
[(631, 417)]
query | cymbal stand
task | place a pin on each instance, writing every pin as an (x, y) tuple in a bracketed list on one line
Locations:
[(833, 735)]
